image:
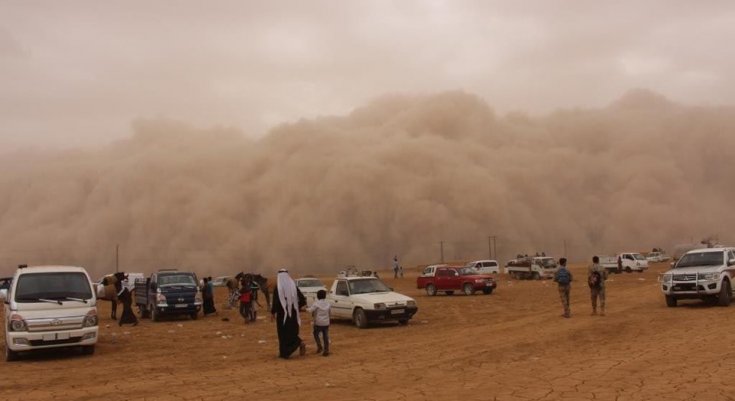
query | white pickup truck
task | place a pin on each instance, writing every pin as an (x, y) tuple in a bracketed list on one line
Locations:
[(49, 307), (624, 262), (705, 274), (538, 267), (366, 300)]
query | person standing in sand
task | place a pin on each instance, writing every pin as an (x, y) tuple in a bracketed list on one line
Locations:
[(285, 307), (395, 266), (563, 277), (125, 296), (596, 277)]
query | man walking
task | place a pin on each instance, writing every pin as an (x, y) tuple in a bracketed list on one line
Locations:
[(395, 266), (596, 277), (563, 277)]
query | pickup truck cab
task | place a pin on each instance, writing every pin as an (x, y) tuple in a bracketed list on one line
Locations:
[(705, 274), (49, 307), (450, 279), (168, 292), (367, 300)]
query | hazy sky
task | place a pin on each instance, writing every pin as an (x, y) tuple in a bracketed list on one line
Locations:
[(79, 72)]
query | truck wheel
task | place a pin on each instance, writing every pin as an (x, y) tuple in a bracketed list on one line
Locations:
[(154, 314), (10, 355), (194, 315), (403, 322), (467, 289), (449, 292), (536, 276), (487, 291), (430, 290), (359, 318), (670, 301), (88, 350), (628, 269), (725, 294)]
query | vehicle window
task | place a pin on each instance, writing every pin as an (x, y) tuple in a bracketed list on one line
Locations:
[(427, 271), (176, 279), (465, 272), (342, 288), (701, 259), (629, 257), (442, 273), (33, 286), (492, 264), (548, 263), (639, 256), (367, 286), (309, 283)]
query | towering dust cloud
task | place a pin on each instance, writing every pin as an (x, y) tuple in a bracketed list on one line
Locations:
[(398, 176)]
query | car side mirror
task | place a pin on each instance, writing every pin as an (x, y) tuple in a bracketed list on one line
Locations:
[(672, 264), (731, 262)]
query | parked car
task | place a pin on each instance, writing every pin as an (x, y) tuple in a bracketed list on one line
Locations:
[(450, 279), (168, 292), (49, 307), (657, 257), (365, 300), (220, 281), (485, 266), (700, 274), (309, 286)]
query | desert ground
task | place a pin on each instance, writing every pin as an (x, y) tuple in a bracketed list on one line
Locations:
[(510, 345)]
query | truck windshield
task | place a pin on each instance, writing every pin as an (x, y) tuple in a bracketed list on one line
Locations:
[(367, 286), (547, 262), (176, 279), (638, 256), (701, 259), (33, 287), (309, 283)]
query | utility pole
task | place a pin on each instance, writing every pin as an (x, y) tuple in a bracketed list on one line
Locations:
[(495, 247), (490, 246), (117, 258), (441, 250), (565, 248)]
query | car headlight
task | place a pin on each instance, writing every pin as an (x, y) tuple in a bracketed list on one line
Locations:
[(379, 306), (480, 280), (666, 278), (709, 276), (91, 319), (198, 297), (411, 303), (17, 323), (160, 298)]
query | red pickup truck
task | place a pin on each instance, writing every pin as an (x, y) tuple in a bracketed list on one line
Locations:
[(450, 279)]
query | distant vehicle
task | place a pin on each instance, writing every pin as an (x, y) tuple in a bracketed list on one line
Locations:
[(657, 257), (168, 292), (451, 279), (220, 281), (624, 262), (532, 267), (49, 307), (365, 300), (5, 283), (309, 287), (485, 266), (700, 274)]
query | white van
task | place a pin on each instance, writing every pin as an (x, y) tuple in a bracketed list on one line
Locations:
[(49, 307), (485, 266)]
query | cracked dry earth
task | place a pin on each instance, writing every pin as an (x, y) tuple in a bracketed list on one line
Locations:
[(511, 345)]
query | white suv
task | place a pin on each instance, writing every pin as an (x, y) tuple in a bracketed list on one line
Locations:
[(700, 274), (485, 266), (49, 307)]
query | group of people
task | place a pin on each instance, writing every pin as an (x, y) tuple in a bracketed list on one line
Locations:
[(596, 277)]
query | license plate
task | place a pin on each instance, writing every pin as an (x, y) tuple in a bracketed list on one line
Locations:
[(397, 311), (488, 284), (49, 337), (62, 336), (181, 305)]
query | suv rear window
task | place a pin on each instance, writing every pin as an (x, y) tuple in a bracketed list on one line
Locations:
[(57, 286)]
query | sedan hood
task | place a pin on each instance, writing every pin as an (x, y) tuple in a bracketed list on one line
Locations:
[(385, 297)]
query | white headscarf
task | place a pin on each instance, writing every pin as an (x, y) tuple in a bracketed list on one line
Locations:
[(287, 295)]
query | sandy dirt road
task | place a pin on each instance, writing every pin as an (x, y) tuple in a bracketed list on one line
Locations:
[(511, 345)]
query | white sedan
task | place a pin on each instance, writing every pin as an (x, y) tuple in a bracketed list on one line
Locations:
[(309, 287)]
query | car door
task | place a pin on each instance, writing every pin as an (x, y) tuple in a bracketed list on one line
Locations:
[(341, 305), (440, 278)]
